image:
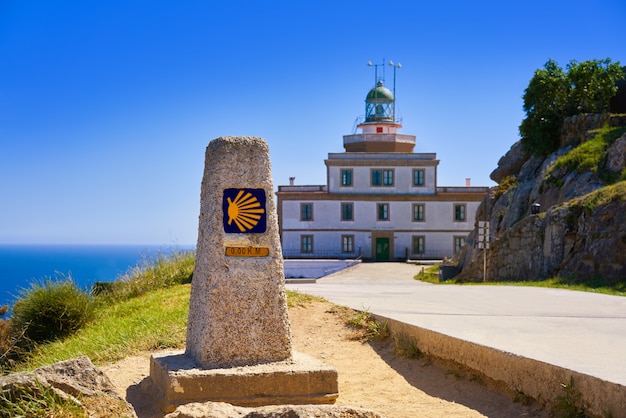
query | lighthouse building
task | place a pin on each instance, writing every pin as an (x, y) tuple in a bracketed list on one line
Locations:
[(381, 200)]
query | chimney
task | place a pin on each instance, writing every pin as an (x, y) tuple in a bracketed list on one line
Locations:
[(291, 180), (468, 182)]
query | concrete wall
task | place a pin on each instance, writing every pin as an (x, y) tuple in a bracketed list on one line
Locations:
[(533, 378)]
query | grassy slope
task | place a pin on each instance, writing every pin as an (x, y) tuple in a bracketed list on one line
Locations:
[(155, 320)]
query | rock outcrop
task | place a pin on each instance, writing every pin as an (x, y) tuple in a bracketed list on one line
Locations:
[(76, 380), (579, 230)]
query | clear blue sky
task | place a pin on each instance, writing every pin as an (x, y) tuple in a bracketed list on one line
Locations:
[(106, 107)]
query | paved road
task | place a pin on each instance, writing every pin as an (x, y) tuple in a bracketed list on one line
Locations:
[(580, 331)]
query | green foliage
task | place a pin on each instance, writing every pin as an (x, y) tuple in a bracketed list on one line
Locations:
[(429, 274), (522, 398), (164, 271), (406, 346), (300, 299), (51, 309), (590, 155), (507, 183), (603, 196), (569, 405), (588, 284), (372, 330), (545, 99), (125, 324), (38, 401), (553, 94), (156, 320), (592, 85)]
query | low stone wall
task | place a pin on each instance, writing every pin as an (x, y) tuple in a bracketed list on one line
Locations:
[(538, 380), (315, 268)]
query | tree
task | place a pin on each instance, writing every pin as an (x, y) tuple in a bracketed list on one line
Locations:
[(553, 94), (593, 84), (545, 100)]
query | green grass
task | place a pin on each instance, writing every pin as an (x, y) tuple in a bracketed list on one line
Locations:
[(370, 329), (589, 155), (429, 274), (603, 196), (300, 299), (37, 401), (164, 271), (594, 285), (156, 320), (597, 285), (406, 346), (134, 313)]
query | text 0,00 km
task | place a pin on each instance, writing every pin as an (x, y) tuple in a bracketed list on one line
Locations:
[(247, 251)]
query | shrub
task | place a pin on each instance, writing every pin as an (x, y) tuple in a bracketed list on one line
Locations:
[(569, 405), (369, 328), (406, 346), (507, 183), (51, 309)]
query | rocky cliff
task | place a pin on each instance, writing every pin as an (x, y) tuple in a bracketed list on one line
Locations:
[(578, 225)]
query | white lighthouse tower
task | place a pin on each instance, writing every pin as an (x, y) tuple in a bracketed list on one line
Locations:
[(379, 129)]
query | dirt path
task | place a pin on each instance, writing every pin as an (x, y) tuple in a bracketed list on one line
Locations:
[(370, 374)]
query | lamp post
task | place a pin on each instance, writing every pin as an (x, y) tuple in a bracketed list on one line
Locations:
[(369, 64), (395, 66)]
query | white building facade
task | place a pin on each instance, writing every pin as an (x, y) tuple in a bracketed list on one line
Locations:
[(381, 200)]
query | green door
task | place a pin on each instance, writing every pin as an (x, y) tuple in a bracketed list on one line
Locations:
[(382, 249)]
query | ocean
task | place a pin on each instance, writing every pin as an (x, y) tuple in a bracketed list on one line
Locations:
[(21, 265)]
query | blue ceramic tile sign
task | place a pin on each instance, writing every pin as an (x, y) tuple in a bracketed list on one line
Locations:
[(244, 211)]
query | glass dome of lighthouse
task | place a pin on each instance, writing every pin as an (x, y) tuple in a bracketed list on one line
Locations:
[(379, 104), (379, 127)]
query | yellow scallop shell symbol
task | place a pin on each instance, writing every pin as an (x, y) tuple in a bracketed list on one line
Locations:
[(245, 211)]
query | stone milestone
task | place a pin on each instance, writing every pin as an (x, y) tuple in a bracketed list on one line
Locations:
[(238, 311), (238, 347)]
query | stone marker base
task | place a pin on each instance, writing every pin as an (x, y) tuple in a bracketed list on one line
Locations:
[(177, 380)]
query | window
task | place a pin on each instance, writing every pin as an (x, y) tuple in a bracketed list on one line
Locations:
[(383, 212), (418, 212), (418, 177), (347, 211), (306, 243), (377, 178), (419, 242), (387, 177), (382, 177), (346, 177), (347, 243), (306, 211), (458, 243), (459, 212)]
